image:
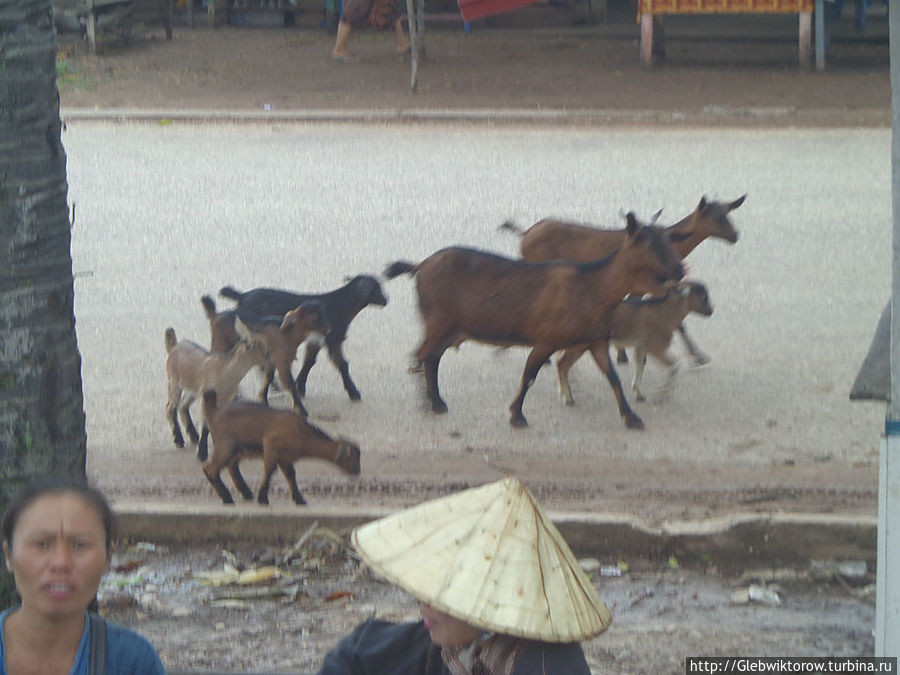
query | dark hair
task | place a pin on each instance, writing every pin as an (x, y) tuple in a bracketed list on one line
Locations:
[(49, 485)]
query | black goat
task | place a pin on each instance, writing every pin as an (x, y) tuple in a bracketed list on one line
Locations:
[(340, 306)]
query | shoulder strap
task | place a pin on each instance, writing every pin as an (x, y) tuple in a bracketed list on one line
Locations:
[(97, 645)]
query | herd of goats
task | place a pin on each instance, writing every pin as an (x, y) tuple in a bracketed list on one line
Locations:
[(576, 288)]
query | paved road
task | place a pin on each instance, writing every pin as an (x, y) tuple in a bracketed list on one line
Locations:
[(166, 213)]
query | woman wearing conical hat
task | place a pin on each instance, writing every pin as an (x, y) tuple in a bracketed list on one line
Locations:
[(499, 590)]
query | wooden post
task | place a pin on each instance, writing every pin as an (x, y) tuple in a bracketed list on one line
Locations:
[(414, 44), (92, 26), (820, 35), (647, 39), (805, 46)]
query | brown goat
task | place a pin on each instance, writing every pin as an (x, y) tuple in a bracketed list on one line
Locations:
[(647, 324), (280, 437), (550, 239), (280, 336), (469, 294)]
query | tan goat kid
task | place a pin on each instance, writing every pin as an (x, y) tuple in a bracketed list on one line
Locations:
[(647, 324), (191, 369)]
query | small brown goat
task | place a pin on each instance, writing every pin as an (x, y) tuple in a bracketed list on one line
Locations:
[(281, 338), (191, 370), (280, 437), (468, 294), (550, 239), (647, 324)]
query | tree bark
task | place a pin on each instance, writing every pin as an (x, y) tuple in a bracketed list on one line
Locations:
[(42, 426)]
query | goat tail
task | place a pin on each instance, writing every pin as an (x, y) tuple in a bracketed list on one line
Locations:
[(512, 227), (209, 305), (171, 340), (395, 269), (229, 292)]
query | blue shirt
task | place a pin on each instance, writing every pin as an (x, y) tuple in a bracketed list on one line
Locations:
[(127, 652)]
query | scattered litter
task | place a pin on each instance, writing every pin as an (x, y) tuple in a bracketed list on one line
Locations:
[(763, 595), (589, 565), (128, 566), (851, 570), (337, 595), (610, 571)]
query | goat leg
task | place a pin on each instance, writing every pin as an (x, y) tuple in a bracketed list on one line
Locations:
[(640, 362), (203, 444), (312, 351), (600, 352), (621, 355), (337, 358), (432, 392), (290, 475), (212, 475), (238, 479), (172, 414), (563, 364), (536, 358), (287, 382), (268, 376), (699, 357), (262, 495)]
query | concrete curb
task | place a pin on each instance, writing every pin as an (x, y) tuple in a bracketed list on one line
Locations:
[(748, 540), (493, 115)]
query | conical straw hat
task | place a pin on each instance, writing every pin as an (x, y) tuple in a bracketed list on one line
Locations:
[(491, 557)]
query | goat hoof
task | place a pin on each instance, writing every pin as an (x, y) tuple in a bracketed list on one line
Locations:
[(518, 422), (439, 407), (634, 422), (354, 395), (701, 360), (179, 445)]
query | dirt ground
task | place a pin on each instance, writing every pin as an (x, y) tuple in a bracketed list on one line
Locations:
[(716, 73), (736, 70), (662, 612)]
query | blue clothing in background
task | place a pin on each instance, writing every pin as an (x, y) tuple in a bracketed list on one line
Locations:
[(127, 652)]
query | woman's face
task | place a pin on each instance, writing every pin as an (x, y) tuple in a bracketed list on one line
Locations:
[(445, 630), (58, 554)]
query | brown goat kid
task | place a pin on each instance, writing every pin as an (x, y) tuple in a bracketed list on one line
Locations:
[(281, 437), (191, 369), (281, 337), (647, 324), (469, 294), (550, 239)]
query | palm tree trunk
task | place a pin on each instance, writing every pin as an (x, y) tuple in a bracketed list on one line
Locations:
[(41, 408)]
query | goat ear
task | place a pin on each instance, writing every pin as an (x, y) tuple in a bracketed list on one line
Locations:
[(737, 202), (289, 319), (632, 226), (702, 204)]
